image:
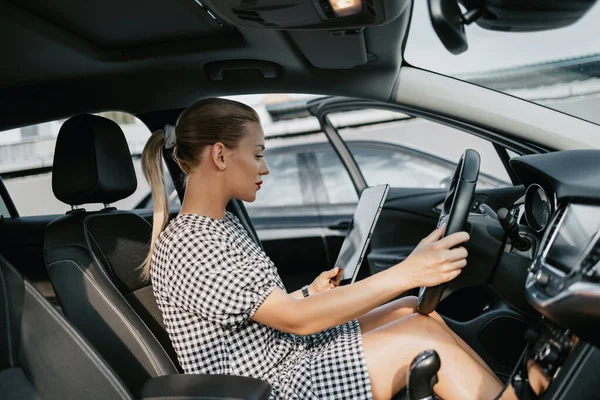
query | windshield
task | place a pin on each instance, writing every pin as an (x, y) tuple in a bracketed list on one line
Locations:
[(558, 68)]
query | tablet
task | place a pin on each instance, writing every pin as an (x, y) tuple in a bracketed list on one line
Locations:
[(359, 234)]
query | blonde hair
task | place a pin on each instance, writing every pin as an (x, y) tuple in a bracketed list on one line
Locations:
[(204, 123)]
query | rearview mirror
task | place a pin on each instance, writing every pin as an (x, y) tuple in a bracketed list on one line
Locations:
[(447, 22), (528, 15), (501, 15)]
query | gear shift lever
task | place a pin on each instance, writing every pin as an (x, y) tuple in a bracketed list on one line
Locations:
[(422, 375)]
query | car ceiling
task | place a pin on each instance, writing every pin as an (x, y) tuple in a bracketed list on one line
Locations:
[(65, 57)]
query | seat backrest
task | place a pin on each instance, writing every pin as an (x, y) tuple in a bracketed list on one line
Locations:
[(41, 355), (93, 257)]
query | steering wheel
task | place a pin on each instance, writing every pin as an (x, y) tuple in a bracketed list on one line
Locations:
[(455, 212)]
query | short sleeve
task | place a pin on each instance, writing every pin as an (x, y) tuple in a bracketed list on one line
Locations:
[(221, 284)]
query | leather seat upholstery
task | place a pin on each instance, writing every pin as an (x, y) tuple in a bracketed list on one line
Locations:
[(41, 355), (93, 257)]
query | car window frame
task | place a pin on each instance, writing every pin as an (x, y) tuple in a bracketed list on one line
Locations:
[(8, 202), (322, 107)]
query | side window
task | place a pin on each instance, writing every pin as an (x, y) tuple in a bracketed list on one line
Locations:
[(284, 185), (411, 152), (337, 184), (304, 171), (4, 213), (26, 156), (172, 195), (399, 167)]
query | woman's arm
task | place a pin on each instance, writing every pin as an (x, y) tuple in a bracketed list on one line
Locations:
[(431, 263), (309, 315), (325, 281)]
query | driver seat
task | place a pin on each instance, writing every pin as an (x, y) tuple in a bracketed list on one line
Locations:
[(92, 257)]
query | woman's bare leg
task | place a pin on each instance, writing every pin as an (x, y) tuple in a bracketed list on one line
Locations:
[(403, 307), (390, 349)]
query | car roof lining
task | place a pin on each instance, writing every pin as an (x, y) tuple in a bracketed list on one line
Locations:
[(58, 63)]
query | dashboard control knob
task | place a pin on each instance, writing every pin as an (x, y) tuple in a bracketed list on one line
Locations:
[(541, 278), (548, 354)]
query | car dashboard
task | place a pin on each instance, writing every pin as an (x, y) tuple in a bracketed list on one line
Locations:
[(562, 209), (560, 215), (564, 281)]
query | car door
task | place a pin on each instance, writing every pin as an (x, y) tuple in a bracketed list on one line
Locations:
[(379, 162), (411, 212)]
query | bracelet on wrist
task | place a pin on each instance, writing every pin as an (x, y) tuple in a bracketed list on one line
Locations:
[(305, 291)]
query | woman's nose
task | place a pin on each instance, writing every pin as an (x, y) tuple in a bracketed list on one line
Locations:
[(265, 169)]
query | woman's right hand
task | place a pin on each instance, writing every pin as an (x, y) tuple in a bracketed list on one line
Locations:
[(435, 260)]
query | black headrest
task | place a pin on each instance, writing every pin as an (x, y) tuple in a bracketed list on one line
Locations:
[(92, 162)]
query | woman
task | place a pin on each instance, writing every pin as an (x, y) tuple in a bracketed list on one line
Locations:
[(227, 311)]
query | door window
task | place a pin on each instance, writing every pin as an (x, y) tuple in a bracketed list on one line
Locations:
[(4, 213), (284, 185), (405, 168), (413, 152), (336, 180), (399, 168)]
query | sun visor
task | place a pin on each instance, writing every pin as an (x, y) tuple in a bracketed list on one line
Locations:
[(335, 50)]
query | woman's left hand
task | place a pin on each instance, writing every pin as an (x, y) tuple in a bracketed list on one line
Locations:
[(327, 280)]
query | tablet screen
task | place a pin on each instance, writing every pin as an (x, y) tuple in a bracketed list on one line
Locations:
[(359, 234)]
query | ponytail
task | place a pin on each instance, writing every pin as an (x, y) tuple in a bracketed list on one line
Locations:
[(152, 166), (202, 124)]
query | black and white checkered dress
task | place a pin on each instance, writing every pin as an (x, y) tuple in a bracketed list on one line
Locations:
[(209, 279)]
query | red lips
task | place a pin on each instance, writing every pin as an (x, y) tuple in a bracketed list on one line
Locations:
[(258, 184)]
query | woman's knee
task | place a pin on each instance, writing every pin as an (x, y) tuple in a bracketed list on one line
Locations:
[(411, 301), (431, 330), (389, 350), (423, 326), (439, 319)]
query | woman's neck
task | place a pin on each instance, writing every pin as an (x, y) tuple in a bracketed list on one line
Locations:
[(205, 196)]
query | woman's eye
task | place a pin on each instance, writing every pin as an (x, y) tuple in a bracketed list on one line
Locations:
[(259, 156)]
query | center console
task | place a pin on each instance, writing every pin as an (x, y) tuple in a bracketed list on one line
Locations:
[(563, 284), (564, 279)]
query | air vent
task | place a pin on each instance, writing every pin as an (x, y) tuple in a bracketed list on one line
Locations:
[(552, 228), (592, 259), (248, 15)]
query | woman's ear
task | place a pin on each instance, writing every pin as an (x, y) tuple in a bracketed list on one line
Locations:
[(217, 155)]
